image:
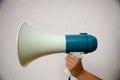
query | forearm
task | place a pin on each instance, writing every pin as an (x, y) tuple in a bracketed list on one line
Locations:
[(87, 76)]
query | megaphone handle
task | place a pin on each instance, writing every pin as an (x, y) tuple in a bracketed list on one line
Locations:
[(77, 54)]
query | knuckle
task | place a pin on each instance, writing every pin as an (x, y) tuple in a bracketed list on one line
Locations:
[(71, 68), (65, 58), (77, 60)]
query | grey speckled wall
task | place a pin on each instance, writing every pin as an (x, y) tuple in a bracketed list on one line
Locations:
[(98, 17)]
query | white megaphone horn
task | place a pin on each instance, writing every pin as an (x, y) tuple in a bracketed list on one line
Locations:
[(33, 44)]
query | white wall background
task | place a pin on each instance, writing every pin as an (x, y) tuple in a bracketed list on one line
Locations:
[(98, 17)]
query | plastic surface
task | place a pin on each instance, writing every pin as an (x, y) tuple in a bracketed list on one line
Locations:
[(81, 43), (33, 44)]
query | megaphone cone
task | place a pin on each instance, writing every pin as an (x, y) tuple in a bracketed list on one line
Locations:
[(33, 44)]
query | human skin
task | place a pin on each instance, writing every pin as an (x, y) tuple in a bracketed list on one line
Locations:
[(75, 66)]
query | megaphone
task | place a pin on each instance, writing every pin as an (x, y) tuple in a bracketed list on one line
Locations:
[(33, 44)]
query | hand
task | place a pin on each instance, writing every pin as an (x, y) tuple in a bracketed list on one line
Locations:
[(74, 65)]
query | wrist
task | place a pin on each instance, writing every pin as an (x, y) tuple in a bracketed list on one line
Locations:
[(82, 74), (87, 76)]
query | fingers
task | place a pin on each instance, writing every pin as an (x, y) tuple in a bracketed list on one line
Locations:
[(68, 66), (74, 65), (71, 61), (71, 57)]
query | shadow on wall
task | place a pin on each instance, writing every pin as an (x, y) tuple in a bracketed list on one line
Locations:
[(1, 1), (118, 73), (1, 78), (118, 2)]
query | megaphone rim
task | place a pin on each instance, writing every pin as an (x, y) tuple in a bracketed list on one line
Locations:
[(18, 39)]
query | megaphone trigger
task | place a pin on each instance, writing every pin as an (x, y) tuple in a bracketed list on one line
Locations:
[(78, 54)]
